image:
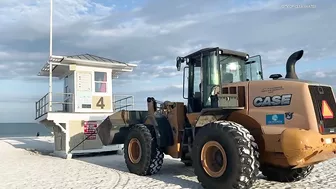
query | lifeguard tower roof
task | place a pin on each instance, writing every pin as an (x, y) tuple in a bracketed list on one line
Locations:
[(60, 64)]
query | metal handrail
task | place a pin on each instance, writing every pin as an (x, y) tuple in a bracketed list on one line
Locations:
[(122, 99), (118, 104), (43, 104)]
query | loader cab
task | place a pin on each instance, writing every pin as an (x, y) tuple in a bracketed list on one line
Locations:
[(207, 70)]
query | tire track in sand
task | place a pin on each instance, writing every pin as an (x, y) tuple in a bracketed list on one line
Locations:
[(122, 181)]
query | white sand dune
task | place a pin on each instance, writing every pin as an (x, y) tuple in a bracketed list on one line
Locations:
[(22, 167)]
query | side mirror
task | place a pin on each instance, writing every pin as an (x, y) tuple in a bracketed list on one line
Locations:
[(179, 61)]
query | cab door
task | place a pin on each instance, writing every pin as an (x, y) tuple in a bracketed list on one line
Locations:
[(253, 68)]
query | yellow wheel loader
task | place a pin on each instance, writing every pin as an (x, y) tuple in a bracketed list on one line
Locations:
[(234, 123)]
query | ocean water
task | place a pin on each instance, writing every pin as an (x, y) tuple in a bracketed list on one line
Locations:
[(23, 130)]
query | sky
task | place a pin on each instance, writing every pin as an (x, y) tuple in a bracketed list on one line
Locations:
[(152, 33)]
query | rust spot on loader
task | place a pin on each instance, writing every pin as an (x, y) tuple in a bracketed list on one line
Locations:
[(308, 147)]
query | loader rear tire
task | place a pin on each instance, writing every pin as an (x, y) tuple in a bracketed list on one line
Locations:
[(141, 152), (225, 156), (281, 174)]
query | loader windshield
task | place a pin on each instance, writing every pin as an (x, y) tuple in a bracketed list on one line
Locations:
[(232, 69), (224, 69)]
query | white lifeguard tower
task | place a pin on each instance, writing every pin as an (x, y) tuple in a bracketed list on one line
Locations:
[(87, 99)]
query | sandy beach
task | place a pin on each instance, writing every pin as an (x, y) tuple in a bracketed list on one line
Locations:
[(25, 163)]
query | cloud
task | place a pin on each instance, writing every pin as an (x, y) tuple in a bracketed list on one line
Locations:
[(321, 76), (258, 27), (154, 33)]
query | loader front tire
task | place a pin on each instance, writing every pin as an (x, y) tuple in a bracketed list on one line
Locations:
[(225, 156), (141, 152), (281, 174)]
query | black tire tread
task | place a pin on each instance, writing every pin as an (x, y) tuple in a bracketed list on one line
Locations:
[(157, 155), (154, 156), (281, 174), (248, 158)]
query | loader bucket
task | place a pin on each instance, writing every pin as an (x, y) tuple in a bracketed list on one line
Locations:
[(104, 131), (114, 129)]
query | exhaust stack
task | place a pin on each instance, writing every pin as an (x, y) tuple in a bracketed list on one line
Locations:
[(290, 66)]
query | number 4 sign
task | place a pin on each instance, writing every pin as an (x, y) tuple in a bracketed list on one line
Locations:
[(101, 102)]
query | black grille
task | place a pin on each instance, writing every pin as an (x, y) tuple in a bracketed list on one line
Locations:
[(318, 94)]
